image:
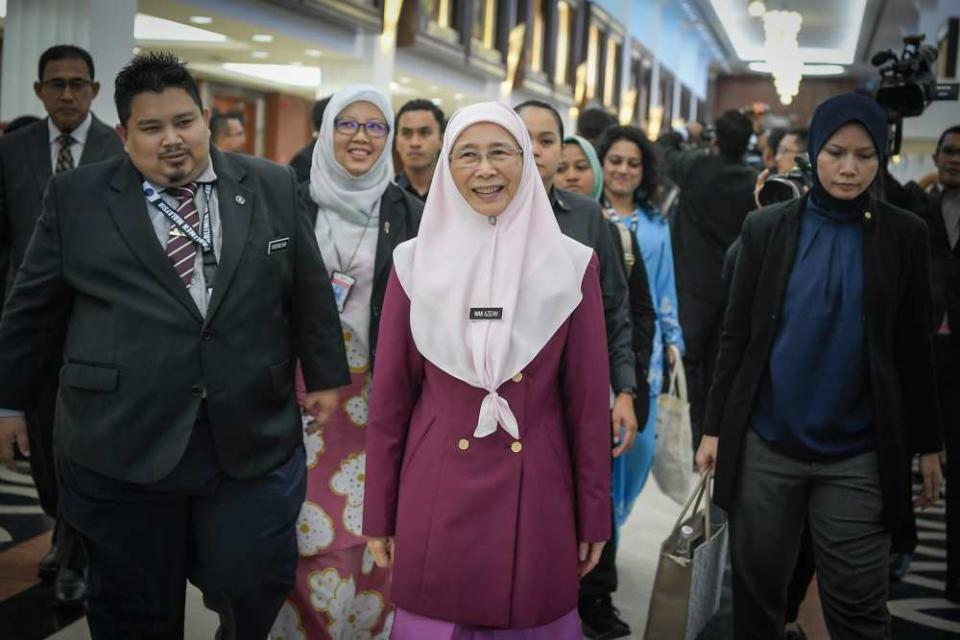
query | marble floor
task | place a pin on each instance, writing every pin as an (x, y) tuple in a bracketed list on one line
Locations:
[(920, 613)]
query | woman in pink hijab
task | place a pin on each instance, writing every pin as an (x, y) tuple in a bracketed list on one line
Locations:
[(488, 461)]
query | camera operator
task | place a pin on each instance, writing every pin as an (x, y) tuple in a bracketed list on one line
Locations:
[(789, 166), (940, 209), (716, 193), (792, 144)]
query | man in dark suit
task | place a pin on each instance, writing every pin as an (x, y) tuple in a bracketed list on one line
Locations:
[(188, 286), (940, 209), (303, 159), (71, 135), (716, 194)]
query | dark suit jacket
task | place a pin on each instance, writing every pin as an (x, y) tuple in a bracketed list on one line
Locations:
[(303, 160), (945, 261), (643, 317), (716, 193), (138, 356), (400, 215), (897, 310), (24, 172), (580, 218)]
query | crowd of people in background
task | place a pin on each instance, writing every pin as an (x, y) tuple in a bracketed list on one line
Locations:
[(818, 336)]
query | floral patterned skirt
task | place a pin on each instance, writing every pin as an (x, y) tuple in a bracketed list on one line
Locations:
[(341, 595)]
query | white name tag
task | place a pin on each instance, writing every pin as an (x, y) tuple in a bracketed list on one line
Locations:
[(278, 245)]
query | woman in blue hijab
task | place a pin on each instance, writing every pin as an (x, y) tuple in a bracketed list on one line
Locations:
[(824, 388), (580, 170)]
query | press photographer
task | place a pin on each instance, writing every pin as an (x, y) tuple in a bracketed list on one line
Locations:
[(793, 175)]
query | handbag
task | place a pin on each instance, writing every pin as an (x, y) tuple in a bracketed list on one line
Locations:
[(673, 451), (686, 590)]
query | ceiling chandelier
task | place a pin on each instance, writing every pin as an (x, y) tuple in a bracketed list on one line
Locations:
[(780, 30)]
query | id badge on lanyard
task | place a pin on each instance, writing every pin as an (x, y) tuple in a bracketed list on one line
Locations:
[(342, 285)]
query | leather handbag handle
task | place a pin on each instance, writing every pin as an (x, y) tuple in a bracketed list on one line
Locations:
[(695, 499)]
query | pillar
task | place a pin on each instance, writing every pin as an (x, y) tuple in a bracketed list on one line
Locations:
[(102, 27)]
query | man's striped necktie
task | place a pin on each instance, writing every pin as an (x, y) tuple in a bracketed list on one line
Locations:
[(180, 248)]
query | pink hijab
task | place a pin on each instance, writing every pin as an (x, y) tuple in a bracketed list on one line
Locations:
[(460, 261)]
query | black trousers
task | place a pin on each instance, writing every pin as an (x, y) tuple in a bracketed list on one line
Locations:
[(43, 468), (234, 539), (699, 378), (602, 581), (947, 352)]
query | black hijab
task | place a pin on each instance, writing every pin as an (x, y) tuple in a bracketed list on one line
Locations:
[(832, 114)]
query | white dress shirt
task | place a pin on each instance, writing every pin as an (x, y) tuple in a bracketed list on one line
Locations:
[(79, 134)]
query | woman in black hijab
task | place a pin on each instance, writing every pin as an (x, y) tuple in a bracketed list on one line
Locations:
[(824, 387)]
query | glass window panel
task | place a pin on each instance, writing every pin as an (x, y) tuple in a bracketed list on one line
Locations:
[(536, 40), (593, 61), (439, 11), (563, 44), (611, 82), (485, 22)]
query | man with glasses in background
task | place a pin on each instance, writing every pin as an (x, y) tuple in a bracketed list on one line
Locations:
[(71, 135)]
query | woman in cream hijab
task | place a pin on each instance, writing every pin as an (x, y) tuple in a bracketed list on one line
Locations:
[(360, 216), (488, 487)]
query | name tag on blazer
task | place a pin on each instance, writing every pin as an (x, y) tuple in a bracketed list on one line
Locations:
[(278, 245), (486, 313)]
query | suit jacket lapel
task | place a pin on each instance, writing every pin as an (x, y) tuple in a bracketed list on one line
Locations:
[(235, 203), (40, 155), (786, 253), (393, 222), (129, 210), (938, 226), (874, 230)]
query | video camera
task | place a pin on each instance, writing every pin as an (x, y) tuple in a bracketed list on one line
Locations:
[(908, 83), (787, 186)]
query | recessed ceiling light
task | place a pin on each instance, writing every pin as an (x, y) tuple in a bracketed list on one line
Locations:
[(394, 86), (405, 80), (757, 9), (259, 54), (201, 19), (262, 37), (313, 53), (437, 101), (458, 96), (307, 77), (433, 88), (153, 28)]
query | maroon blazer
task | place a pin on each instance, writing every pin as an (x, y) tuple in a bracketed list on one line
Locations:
[(487, 528)]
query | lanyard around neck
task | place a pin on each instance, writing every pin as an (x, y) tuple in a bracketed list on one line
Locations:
[(205, 238)]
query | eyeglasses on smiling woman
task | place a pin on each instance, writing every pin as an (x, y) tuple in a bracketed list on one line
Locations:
[(373, 128), (470, 158)]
